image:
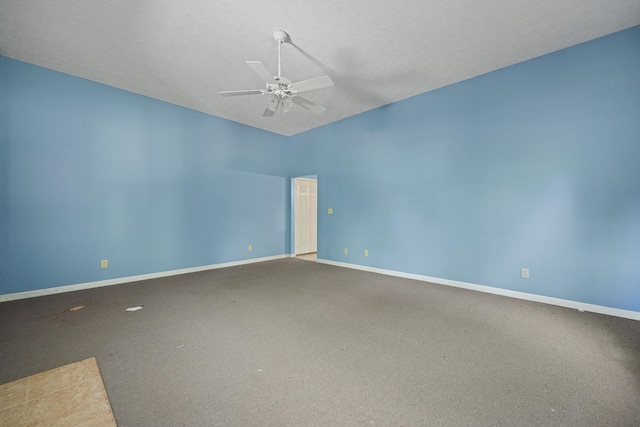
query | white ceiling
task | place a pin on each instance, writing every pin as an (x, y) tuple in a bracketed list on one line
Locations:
[(377, 51)]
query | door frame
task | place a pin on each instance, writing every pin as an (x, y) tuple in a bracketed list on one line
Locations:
[(293, 211)]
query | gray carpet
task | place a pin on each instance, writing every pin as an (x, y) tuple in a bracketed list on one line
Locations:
[(293, 343)]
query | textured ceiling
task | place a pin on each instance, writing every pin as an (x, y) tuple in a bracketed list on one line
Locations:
[(376, 52)]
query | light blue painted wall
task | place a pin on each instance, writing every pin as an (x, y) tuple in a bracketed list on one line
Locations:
[(531, 166), (90, 172), (4, 181), (536, 165)]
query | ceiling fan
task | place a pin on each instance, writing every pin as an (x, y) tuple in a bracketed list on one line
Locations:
[(280, 89)]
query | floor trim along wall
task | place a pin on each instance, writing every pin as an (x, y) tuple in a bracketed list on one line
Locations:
[(628, 314), (120, 280)]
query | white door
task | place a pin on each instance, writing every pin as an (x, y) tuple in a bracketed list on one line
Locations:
[(306, 212)]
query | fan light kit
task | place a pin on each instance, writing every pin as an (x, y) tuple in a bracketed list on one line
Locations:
[(280, 89)]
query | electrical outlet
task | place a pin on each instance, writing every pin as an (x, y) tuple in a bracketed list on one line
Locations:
[(346, 251), (524, 272), (330, 211), (250, 248), (104, 263), (366, 252)]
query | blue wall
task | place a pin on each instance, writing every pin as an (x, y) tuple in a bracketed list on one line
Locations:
[(90, 172), (4, 180), (536, 165)]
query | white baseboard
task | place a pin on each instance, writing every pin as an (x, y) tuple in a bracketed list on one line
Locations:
[(120, 280), (628, 314)]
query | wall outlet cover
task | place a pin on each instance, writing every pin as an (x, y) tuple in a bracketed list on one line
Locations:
[(104, 263)]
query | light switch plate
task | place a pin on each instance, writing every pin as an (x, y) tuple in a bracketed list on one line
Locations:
[(330, 211)]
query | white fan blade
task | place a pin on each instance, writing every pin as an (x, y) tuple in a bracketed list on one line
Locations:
[(272, 106), (240, 92), (287, 104), (261, 70), (312, 84), (311, 106)]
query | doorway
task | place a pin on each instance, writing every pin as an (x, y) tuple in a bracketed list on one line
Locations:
[(306, 218)]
